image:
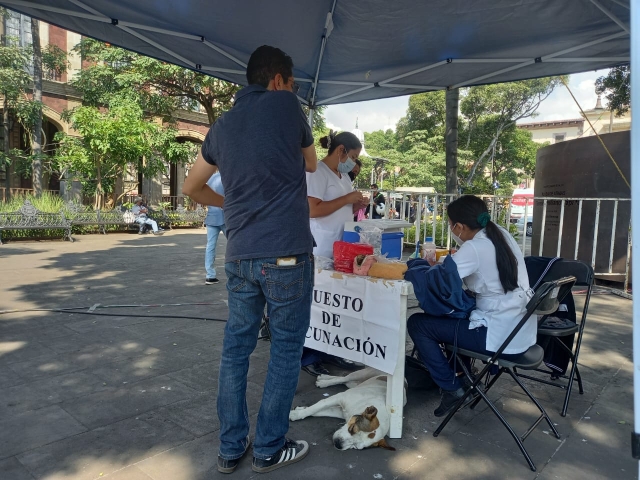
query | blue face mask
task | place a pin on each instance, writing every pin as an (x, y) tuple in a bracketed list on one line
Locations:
[(347, 165)]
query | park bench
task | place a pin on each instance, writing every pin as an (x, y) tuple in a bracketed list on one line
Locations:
[(180, 215), (28, 217), (82, 215)]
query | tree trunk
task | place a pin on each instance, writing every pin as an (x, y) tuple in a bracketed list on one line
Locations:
[(5, 126), (451, 139), (36, 134), (491, 146), (211, 114)]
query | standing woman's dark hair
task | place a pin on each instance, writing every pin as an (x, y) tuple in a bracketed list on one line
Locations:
[(472, 212), (334, 140)]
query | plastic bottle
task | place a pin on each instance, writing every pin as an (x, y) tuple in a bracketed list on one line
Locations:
[(429, 251)]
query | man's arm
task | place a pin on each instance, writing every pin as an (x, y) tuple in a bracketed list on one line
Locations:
[(195, 185), (310, 158)]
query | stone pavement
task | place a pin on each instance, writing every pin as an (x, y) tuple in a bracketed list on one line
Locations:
[(133, 396)]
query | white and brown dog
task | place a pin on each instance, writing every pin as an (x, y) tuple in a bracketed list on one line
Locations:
[(363, 407)]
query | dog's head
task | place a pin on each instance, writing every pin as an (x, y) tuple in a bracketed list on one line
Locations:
[(361, 431)]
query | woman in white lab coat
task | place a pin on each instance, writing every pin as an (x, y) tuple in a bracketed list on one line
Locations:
[(332, 202), (491, 266), (332, 199)]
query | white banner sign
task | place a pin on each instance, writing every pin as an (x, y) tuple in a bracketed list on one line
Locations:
[(356, 318)]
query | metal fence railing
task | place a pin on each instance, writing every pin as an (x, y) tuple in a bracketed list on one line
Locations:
[(596, 231), (20, 192)]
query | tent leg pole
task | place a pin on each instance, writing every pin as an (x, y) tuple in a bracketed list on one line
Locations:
[(635, 221)]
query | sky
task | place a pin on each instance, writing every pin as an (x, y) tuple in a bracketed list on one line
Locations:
[(383, 114)]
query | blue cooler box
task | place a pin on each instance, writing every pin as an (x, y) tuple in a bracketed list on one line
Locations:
[(391, 242)]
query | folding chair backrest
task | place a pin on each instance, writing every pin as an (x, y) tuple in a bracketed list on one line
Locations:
[(574, 268), (549, 295), (544, 301), (583, 273)]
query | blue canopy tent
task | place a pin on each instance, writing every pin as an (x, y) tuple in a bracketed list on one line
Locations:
[(350, 51)]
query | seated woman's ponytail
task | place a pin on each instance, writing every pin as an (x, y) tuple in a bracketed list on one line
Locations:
[(472, 212)]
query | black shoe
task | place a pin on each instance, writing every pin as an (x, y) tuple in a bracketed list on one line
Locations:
[(228, 466), (315, 369), (448, 401), (343, 363), (211, 281), (291, 452)]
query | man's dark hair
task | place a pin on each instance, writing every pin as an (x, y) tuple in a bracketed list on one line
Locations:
[(265, 63), (374, 185)]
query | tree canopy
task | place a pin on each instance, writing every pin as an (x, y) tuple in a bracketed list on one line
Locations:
[(616, 87)]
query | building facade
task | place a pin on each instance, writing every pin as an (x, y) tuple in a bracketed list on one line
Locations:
[(58, 96), (597, 120)]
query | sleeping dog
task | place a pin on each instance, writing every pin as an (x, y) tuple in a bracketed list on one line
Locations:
[(363, 407)]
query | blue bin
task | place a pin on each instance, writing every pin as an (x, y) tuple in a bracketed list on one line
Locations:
[(350, 237), (392, 244)]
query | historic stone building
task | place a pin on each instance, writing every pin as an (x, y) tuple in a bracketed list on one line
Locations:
[(59, 96)]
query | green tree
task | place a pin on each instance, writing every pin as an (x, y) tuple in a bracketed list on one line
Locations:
[(113, 139), (426, 112), (501, 106), (379, 141), (22, 94), (616, 87), (159, 88)]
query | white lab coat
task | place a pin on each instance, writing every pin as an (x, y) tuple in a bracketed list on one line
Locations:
[(500, 312), (326, 185)]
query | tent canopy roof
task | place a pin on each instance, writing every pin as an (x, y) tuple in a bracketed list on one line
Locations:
[(355, 50)]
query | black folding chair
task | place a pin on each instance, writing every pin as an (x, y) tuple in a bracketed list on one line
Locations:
[(557, 328), (545, 301)]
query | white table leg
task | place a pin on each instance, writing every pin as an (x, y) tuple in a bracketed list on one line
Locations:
[(395, 382)]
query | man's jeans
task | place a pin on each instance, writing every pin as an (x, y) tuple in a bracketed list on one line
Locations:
[(145, 220), (210, 252), (287, 292)]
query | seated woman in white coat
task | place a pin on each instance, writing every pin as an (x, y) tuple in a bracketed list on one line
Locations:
[(332, 202), (491, 265)]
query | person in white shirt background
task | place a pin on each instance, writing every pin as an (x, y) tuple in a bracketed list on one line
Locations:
[(140, 212), (215, 224), (332, 202), (491, 265)]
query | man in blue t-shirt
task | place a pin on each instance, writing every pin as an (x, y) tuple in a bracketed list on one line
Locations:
[(262, 147)]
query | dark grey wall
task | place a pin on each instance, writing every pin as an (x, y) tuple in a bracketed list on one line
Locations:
[(581, 168)]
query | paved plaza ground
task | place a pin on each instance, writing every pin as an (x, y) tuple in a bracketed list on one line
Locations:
[(133, 396)]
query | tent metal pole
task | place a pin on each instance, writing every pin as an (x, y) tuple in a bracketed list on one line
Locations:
[(46, 8), (587, 59), (198, 38), (621, 4), (389, 80), (223, 70), (328, 28), (542, 59), (425, 87), (635, 220), (130, 31), (226, 54), (310, 118), (609, 14), (138, 35)]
